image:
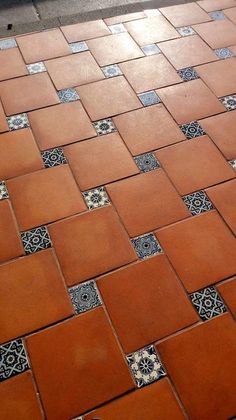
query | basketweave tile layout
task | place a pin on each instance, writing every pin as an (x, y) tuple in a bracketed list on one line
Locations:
[(141, 193)]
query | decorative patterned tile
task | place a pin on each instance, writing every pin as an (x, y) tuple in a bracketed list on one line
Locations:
[(104, 126), (149, 98), (217, 15), (151, 49), (198, 202), (117, 29), (3, 191), (85, 296), (223, 53), (208, 303), (13, 359), (18, 121), (7, 43), (35, 239), (229, 102), (96, 198), (145, 366), (36, 67), (186, 31), (68, 95), (77, 47), (188, 74), (53, 157), (233, 163), (192, 130), (147, 162), (111, 71), (146, 245)]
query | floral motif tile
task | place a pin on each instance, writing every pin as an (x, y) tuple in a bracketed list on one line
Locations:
[(151, 49), (229, 102), (224, 53), (104, 126), (145, 366), (217, 15), (112, 71), (68, 95), (36, 67), (85, 296), (192, 130), (146, 245), (149, 98), (117, 29), (208, 303), (7, 43), (186, 31), (13, 359), (3, 191), (96, 198), (35, 239), (53, 157), (18, 121), (77, 47), (147, 162), (233, 163), (198, 202), (188, 74)]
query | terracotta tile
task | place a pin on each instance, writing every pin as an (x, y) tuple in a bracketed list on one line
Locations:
[(179, 101), (49, 194), (212, 73), (211, 5), (146, 202), (99, 161), (185, 14), (19, 154), (187, 52), (227, 290), (27, 93), (201, 249), (85, 30), (18, 397), (74, 70), (222, 130), (152, 402), (124, 18), (194, 164), (12, 64), (231, 13), (58, 125), (10, 244), (84, 244), (149, 73), (151, 30), (114, 49), (223, 196), (32, 295), (120, 98), (3, 122), (43, 45), (99, 371), (217, 34), (166, 310), (202, 399)]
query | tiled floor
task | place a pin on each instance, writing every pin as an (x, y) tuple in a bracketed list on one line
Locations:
[(118, 218)]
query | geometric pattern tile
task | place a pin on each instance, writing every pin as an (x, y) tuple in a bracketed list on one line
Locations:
[(117, 29), (3, 190), (188, 74), (147, 162), (77, 47), (208, 303), (35, 240), (111, 71), (53, 157), (192, 130), (7, 43), (217, 15), (197, 202), (146, 245), (13, 359), (104, 126), (96, 197), (145, 366), (151, 49), (85, 296), (149, 98), (229, 102), (36, 67), (186, 31), (68, 95), (223, 53), (233, 163), (18, 121)]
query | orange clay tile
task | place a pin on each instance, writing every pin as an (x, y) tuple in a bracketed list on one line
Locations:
[(124, 18), (85, 243), (43, 45), (3, 122), (231, 13), (48, 195), (227, 290), (201, 249), (10, 243), (194, 164), (121, 98), (12, 64), (187, 356), (99, 161), (185, 14), (211, 5), (58, 125), (148, 129), (99, 371), (212, 73), (85, 30), (217, 34)]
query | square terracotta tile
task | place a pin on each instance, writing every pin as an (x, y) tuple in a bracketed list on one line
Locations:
[(211, 5), (43, 45), (114, 49), (223, 196), (185, 14), (10, 243), (74, 70), (119, 98), (187, 52), (201, 249), (58, 125), (146, 202), (99, 370), (190, 101), (151, 30), (85, 30), (99, 161), (12, 64), (84, 244), (124, 18), (3, 121), (212, 73), (45, 196), (217, 34), (149, 73), (194, 164), (227, 290), (19, 154), (148, 129), (189, 353), (166, 310), (32, 295), (231, 13), (27, 93)]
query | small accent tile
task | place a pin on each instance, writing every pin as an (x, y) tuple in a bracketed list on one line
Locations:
[(229, 102), (233, 163), (149, 98), (13, 359), (223, 53), (217, 15), (18, 121), (53, 157), (147, 162), (77, 47), (151, 49), (35, 239), (7, 43), (36, 68), (111, 71), (208, 303), (85, 296), (188, 74), (68, 95), (152, 12), (3, 191), (96, 198), (146, 245), (117, 29), (192, 130), (198, 202), (186, 31), (104, 126), (145, 366)]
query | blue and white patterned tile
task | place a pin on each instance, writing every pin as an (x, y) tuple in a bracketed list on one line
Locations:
[(198, 202), (192, 130), (85, 296), (96, 197), (36, 67), (35, 240), (104, 126), (229, 102), (149, 98), (117, 29), (77, 47), (146, 245), (15, 122), (217, 15), (3, 191), (53, 157), (223, 53), (208, 303), (147, 162), (233, 163), (188, 74), (68, 95), (150, 49), (5, 44), (13, 359), (112, 71), (186, 31)]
